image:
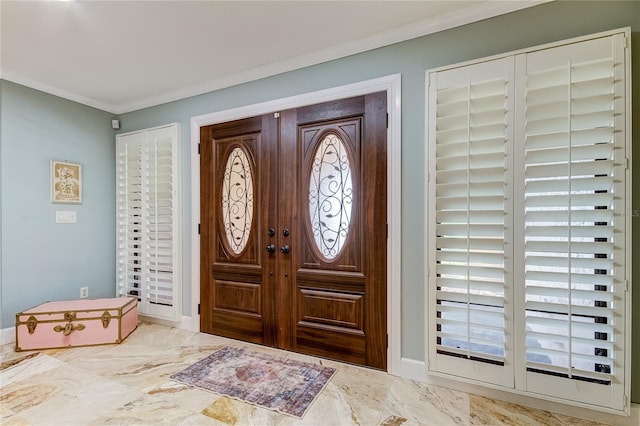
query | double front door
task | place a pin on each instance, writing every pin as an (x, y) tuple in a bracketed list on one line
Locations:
[(293, 229)]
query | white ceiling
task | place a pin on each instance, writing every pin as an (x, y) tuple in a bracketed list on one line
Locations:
[(120, 56)]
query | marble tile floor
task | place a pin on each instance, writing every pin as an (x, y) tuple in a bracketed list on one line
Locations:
[(128, 384)]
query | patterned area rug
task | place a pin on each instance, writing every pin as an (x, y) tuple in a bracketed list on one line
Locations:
[(279, 384)]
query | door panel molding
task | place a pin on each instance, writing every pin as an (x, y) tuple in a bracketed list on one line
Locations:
[(313, 304), (242, 297), (392, 85)]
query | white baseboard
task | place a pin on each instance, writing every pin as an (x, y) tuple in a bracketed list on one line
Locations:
[(7, 335), (190, 323), (412, 369), (417, 370), (187, 323)]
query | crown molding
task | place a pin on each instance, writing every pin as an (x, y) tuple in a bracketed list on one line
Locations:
[(478, 12), (481, 11), (53, 90)]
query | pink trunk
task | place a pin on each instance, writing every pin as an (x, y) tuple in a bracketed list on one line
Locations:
[(76, 323)]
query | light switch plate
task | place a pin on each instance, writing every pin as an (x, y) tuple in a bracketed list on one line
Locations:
[(66, 217)]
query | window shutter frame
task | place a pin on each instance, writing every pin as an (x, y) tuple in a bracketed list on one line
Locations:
[(156, 263), (601, 296), (607, 162), (446, 203)]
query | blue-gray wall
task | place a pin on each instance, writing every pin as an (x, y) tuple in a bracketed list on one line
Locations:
[(42, 260)]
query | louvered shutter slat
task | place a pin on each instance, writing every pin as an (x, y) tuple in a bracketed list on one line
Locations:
[(481, 245), (544, 261), (487, 259), (598, 183), (577, 216)]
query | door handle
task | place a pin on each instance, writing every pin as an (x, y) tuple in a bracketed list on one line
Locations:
[(284, 249), (271, 248)]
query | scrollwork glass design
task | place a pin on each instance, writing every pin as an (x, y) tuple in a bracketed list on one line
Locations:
[(330, 196), (237, 200)]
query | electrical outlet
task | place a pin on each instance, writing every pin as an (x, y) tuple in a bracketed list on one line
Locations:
[(84, 292)]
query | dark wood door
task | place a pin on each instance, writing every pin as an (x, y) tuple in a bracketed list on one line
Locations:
[(238, 201), (320, 185)]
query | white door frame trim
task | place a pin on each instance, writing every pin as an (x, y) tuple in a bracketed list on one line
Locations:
[(392, 85)]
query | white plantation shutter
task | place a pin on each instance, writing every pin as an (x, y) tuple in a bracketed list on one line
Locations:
[(148, 261), (528, 228), (573, 226), (468, 280), (129, 211)]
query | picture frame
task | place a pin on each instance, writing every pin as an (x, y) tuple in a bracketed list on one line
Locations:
[(66, 182)]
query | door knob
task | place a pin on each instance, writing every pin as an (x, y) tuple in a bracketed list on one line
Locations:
[(271, 248), (271, 232), (284, 249)]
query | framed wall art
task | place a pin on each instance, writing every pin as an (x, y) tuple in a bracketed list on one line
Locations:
[(66, 182)]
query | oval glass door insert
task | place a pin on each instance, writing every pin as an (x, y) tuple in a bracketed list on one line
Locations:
[(237, 200), (330, 196)]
